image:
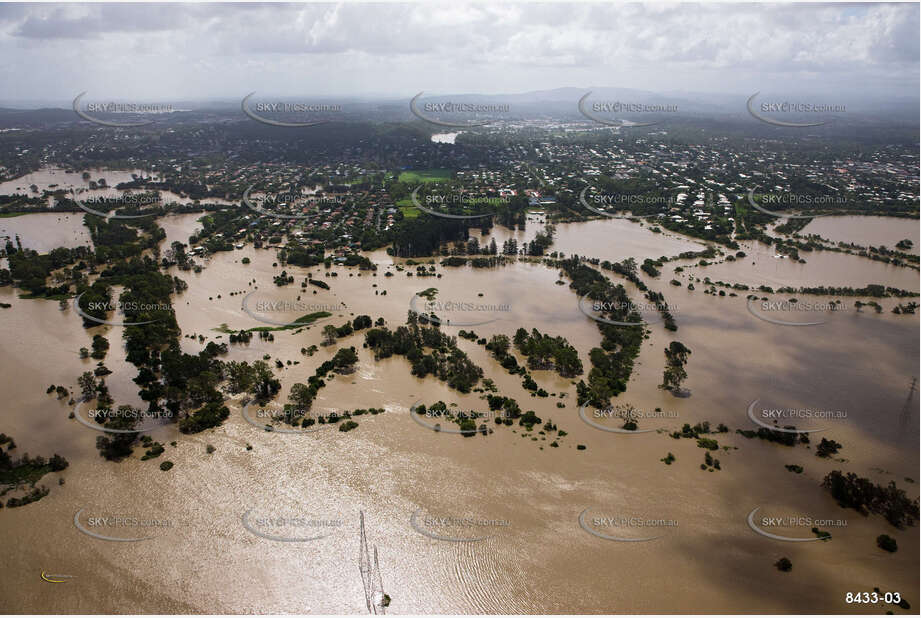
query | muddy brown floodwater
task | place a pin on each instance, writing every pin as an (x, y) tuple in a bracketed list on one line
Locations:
[(202, 558)]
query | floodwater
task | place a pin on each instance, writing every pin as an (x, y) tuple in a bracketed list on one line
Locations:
[(606, 239), (763, 266), (866, 231), (52, 179), (46, 231), (55, 179), (390, 467)]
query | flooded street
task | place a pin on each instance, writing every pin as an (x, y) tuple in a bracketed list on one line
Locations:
[(391, 467)]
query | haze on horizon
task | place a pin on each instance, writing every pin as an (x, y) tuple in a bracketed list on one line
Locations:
[(206, 52)]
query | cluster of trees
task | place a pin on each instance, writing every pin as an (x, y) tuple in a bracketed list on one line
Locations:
[(472, 247), (466, 422), (546, 352), (256, 379), (284, 278), (100, 347), (687, 431), (676, 356), (786, 438), (424, 235), (116, 446), (542, 241), (212, 414), (872, 290), (508, 406), (176, 255), (302, 395), (30, 271), (612, 363), (333, 417), (35, 495), (95, 301), (184, 382), (827, 448), (445, 360), (649, 267), (500, 345), (119, 239), (27, 469), (627, 269), (865, 496), (331, 333), (301, 256)]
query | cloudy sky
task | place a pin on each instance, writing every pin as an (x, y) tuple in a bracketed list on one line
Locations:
[(146, 52)]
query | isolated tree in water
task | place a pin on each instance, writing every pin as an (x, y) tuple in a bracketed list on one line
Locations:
[(329, 334), (87, 385), (676, 355)]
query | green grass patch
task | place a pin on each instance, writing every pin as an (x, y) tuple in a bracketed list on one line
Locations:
[(24, 474), (29, 296), (407, 208), (423, 176), (304, 320)]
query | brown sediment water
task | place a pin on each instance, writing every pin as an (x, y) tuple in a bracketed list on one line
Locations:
[(867, 231), (390, 467), (43, 232)]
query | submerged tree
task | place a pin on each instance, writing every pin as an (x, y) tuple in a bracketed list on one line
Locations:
[(676, 356)]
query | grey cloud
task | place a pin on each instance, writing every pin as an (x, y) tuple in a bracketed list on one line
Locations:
[(453, 47)]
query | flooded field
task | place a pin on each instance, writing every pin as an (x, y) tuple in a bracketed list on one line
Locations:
[(51, 179), (606, 239), (391, 468), (56, 179), (867, 231), (45, 231)]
